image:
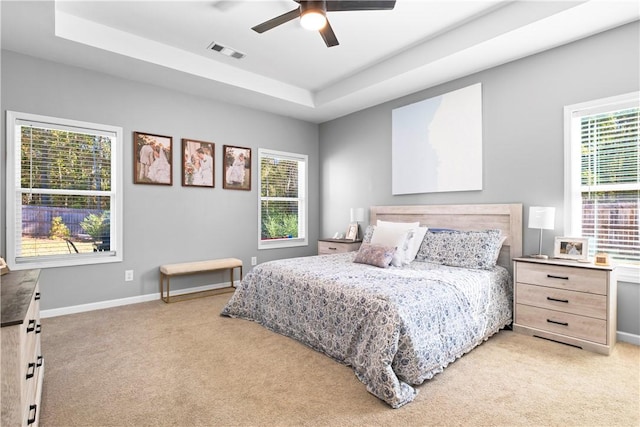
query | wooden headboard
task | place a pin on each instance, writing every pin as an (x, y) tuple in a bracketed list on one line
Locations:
[(505, 217)]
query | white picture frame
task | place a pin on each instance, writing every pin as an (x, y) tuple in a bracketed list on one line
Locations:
[(352, 232), (576, 248)]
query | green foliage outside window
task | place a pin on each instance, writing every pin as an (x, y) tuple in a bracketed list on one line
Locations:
[(58, 229), (280, 225), (96, 225), (63, 160)]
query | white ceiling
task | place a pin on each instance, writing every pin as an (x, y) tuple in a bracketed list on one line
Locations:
[(382, 55)]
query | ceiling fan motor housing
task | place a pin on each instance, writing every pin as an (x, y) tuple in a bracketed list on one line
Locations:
[(311, 5)]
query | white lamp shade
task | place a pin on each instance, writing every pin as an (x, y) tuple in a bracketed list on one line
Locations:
[(542, 217), (357, 214)]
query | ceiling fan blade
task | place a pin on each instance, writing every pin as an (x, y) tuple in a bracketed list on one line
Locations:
[(340, 6), (278, 20), (328, 35)]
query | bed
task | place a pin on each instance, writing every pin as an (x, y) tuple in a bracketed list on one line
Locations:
[(396, 325)]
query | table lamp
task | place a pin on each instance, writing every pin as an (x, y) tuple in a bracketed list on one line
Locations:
[(542, 218)]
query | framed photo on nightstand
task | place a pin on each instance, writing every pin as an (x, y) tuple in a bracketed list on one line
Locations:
[(352, 232), (576, 248)]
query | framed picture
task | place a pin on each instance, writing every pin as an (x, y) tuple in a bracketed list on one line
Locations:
[(153, 154), (236, 163), (198, 163), (571, 248), (352, 232)]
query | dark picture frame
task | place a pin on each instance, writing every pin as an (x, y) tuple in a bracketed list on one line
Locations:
[(236, 168), (198, 163), (153, 156)]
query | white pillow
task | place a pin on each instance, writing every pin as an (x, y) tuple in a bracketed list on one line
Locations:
[(402, 225), (414, 244), (396, 234)]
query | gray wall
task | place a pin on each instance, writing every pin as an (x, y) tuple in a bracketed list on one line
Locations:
[(349, 158), (523, 139), (161, 224)]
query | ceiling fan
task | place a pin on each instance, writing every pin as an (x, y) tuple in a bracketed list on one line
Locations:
[(313, 15)]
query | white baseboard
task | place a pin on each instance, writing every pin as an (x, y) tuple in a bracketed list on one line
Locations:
[(630, 338), (54, 312)]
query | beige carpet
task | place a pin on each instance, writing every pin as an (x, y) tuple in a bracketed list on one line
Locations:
[(181, 364)]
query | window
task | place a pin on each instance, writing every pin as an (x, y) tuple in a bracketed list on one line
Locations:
[(282, 207), (602, 178), (64, 192)]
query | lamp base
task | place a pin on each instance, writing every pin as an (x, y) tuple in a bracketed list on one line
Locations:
[(540, 256)]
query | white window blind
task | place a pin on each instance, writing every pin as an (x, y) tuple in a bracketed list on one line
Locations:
[(610, 184), (606, 137), (283, 202), (63, 192)]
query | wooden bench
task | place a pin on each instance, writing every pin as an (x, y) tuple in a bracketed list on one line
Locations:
[(169, 270)]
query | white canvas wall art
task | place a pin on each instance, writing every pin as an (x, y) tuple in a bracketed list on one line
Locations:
[(437, 143)]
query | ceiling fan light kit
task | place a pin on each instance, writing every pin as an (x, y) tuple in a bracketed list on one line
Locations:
[(313, 15), (313, 19)]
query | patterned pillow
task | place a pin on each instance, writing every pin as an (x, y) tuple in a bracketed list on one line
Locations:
[(468, 249), (366, 238), (376, 255)]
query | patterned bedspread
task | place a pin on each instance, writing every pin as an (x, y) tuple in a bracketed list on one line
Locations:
[(396, 327)]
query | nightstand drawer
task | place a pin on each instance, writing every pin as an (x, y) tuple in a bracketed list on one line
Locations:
[(328, 247), (579, 303), (572, 325), (563, 277)]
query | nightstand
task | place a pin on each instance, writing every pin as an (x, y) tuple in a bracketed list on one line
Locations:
[(337, 246), (566, 301)]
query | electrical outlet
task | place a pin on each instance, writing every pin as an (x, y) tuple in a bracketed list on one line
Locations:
[(128, 275), (254, 260)]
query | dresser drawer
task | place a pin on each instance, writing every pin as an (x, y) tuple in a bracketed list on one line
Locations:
[(32, 328), (563, 277), (22, 361), (559, 322), (579, 303)]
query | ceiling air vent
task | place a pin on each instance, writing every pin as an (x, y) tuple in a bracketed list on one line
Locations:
[(227, 51)]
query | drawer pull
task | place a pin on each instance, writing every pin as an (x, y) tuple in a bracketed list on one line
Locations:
[(31, 326), (551, 276), (37, 297), (332, 249), (39, 361), (557, 323), (38, 328), (558, 300), (31, 370), (32, 418)]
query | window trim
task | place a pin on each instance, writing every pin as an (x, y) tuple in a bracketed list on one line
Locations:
[(572, 166), (13, 166), (292, 242)]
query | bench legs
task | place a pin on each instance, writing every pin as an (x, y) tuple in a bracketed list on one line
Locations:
[(195, 294)]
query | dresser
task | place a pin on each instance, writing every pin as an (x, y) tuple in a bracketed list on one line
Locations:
[(22, 361), (566, 301), (337, 246)]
